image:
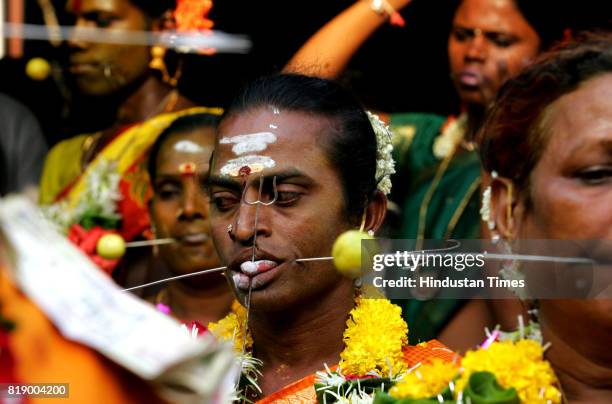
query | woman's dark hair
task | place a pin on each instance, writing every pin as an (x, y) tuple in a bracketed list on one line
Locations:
[(538, 14), (351, 141), (184, 124), (154, 8), (514, 133)]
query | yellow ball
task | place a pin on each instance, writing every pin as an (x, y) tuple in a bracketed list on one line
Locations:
[(38, 69), (347, 252), (111, 246)]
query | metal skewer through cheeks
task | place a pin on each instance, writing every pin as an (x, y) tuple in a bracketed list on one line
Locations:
[(257, 203)]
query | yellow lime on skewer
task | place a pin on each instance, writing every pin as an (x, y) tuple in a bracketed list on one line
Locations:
[(346, 252), (38, 69), (111, 246)]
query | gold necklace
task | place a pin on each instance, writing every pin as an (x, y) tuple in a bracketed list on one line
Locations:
[(474, 186)]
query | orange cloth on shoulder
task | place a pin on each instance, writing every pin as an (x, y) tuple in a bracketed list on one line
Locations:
[(427, 351), (303, 392)]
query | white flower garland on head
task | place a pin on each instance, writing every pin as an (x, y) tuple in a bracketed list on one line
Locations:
[(385, 166)]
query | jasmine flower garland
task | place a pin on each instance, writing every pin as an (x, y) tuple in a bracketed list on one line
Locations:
[(98, 203), (385, 166), (233, 328)]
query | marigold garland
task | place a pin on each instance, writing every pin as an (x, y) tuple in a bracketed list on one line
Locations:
[(426, 381), (520, 365), (374, 340), (232, 328), (374, 337)]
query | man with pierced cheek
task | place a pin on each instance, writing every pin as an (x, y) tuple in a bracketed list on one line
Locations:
[(294, 166)]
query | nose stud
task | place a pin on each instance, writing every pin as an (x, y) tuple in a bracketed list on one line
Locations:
[(230, 228)]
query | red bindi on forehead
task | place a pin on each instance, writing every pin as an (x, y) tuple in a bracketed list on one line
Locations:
[(188, 169)]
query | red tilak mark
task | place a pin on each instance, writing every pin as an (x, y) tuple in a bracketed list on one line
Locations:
[(244, 170), (187, 168)]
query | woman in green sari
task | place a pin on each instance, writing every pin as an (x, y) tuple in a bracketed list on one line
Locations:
[(437, 185)]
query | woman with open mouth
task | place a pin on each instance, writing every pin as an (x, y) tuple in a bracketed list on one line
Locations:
[(178, 167)]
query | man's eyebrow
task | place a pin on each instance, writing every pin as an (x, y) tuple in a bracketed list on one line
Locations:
[(224, 181), (291, 173), (229, 182)]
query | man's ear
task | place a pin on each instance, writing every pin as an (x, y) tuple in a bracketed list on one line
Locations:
[(375, 212), (506, 208)]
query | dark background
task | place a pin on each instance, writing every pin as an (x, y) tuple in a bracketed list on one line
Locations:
[(398, 69)]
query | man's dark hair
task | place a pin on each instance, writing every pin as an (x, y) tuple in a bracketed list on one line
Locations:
[(350, 142)]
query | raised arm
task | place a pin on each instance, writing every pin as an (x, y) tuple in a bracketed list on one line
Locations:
[(328, 51)]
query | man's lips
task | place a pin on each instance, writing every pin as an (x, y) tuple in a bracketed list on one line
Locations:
[(246, 255), (252, 268), (255, 274)]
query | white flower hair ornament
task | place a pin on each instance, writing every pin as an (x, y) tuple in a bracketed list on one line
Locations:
[(485, 209), (385, 166)]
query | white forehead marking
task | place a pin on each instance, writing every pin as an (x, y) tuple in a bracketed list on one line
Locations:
[(187, 146), (252, 142), (275, 111), (254, 162), (272, 126)]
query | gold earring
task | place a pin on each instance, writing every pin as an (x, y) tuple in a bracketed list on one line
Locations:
[(158, 53), (158, 62)]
